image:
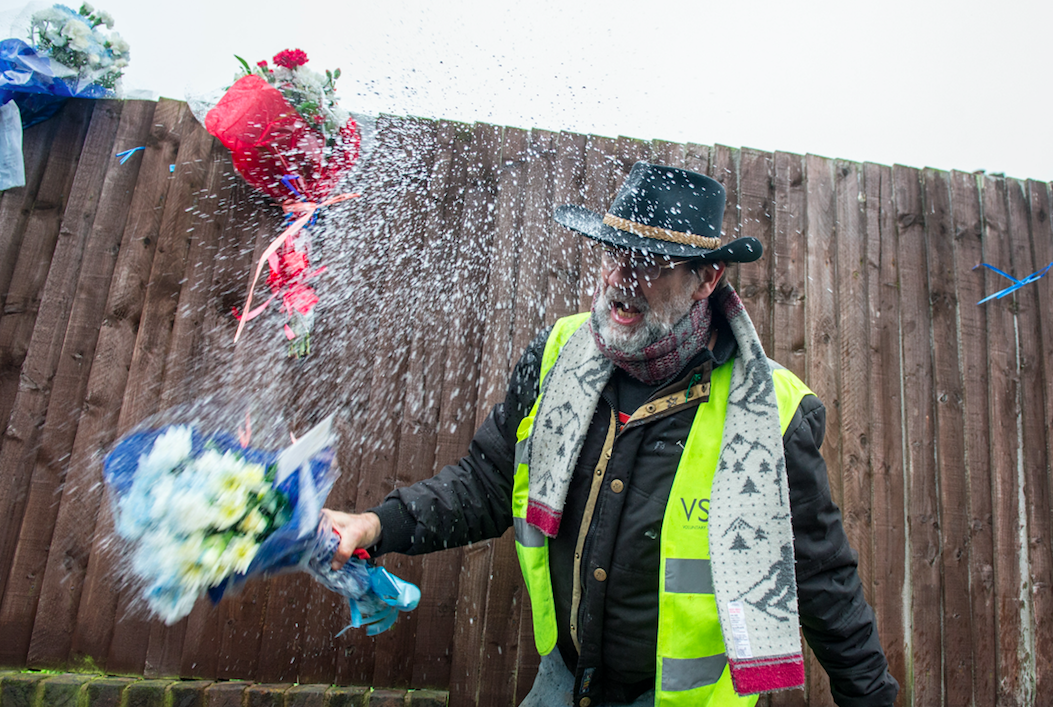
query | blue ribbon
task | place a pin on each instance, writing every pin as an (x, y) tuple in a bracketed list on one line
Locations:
[(126, 155), (1017, 284), (287, 181)]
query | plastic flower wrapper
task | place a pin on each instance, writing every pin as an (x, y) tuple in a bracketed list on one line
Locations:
[(202, 511), (289, 138)]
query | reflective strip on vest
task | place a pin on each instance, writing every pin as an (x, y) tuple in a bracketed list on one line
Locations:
[(529, 536), (688, 576), (679, 674)]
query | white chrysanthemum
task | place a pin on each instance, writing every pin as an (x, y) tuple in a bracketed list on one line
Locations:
[(189, 511), (120, 63), (79, 35), (106, 18), (118, 45), (87, 8), (169, 451), (52, 14), (228, 509), (254, 523), (240, 553), (213, 560)]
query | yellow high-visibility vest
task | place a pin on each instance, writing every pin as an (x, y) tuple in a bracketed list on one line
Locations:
[(691, 664)]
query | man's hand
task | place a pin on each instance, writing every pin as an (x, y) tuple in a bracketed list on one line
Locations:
[(355, 529)]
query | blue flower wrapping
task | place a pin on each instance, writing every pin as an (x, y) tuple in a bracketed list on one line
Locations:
[(38, 84), (149, 504)]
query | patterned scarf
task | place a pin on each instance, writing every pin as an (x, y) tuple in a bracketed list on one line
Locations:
[(660, 360), (754, 583)]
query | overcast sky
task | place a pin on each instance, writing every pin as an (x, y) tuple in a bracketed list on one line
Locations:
[(953, 85)]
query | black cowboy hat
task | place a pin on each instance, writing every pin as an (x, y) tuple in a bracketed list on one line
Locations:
[(664, 211)]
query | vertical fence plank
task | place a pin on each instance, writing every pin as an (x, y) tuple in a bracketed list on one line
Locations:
[(789, 264), (968, 234), (597, 195), (822, 355), (1040, 420), (725, 169), (854, 391), (923, 503), (886, 432), (45, 320), (949, 428), (1034, 520), (75, 526), (789, 283), (564, 261), (1003, 397), (497, 355), (756, 191), (16, 204)]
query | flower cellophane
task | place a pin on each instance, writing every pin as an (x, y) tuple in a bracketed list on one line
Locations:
[(203, 511), (289, 139)]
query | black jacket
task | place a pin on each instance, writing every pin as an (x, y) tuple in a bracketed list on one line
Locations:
[(471, 501)]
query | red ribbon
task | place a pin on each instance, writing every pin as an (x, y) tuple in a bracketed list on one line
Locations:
[(287, 269)]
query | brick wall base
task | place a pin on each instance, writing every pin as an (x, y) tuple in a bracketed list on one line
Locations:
[(33, 689)]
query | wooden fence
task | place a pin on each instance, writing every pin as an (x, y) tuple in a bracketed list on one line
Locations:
[(118, 283)]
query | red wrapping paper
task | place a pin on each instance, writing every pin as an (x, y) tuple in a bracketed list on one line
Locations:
[(268, 140)]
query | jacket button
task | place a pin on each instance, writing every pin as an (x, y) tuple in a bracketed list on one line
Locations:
[(651, 408), (617, 486), (585, 702), (600, 574), (608, 453)]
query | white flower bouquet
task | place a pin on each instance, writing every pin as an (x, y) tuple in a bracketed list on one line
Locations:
[(69, 55), (201, 511)]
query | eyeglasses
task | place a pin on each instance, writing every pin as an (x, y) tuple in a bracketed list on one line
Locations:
[(645, 267)]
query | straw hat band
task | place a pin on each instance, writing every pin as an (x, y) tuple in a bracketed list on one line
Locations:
[(662, 234)]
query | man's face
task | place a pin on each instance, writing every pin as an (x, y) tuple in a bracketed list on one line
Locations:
[(641, 297)]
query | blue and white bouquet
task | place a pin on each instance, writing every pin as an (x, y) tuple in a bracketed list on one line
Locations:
[(201, 511), (69, 55)]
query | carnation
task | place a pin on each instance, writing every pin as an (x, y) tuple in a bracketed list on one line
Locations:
[(290, 58)]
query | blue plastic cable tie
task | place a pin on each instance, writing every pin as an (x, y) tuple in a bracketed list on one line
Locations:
[(1017, 284), (287, 180), (125, 155)]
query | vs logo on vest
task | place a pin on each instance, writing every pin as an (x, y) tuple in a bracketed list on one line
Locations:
[(696, 511)]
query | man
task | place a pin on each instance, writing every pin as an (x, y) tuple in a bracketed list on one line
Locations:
[(672, 513)]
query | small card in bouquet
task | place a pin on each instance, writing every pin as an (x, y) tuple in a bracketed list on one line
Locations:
[(201, 511)]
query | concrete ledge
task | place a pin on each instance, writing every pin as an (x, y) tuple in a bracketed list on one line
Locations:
[(31, 689)]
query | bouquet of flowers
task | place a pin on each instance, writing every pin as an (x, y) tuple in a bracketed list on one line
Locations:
[(202, 511), (69, 55), (290, 139)]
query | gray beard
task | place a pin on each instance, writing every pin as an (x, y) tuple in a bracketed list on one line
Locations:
[(657, 321)]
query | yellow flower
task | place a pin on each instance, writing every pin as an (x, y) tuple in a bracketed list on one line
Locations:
[(253, 523), (240, 552)]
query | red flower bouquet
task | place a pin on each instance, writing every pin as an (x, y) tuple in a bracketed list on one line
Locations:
[(288, 138)]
